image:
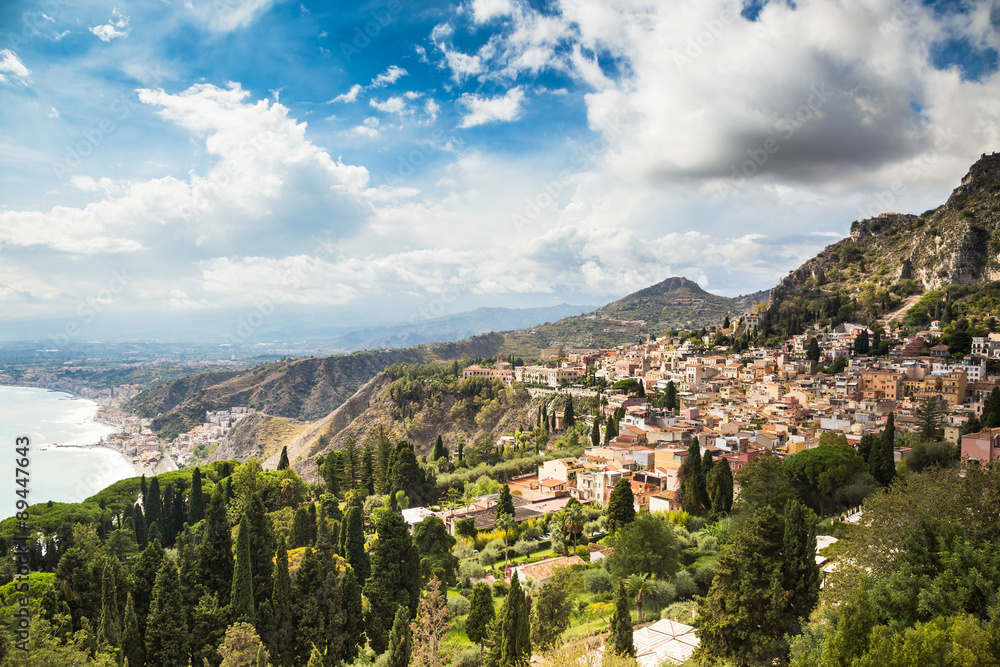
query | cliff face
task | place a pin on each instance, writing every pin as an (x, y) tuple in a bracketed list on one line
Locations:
[(956, 243)]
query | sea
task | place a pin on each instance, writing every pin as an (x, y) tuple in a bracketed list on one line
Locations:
[(62, 474)]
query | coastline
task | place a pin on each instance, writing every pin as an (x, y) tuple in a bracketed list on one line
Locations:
[(138, 467)]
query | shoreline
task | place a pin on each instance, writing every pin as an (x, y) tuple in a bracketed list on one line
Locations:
[(138, 468)]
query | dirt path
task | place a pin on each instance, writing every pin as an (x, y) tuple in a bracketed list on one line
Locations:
[(901, 311)]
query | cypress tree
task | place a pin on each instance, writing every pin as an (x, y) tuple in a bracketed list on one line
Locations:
[(707, 463), (595, 433), (283, 459), (692, 491), (439, 450), (215, 555), (400, 641), (719, 485), (166, 632), (620, 639), (132, 646), (154, 504), (144, 578), (481, 615), (262, 548), (196, 499), (510, 641), (354, 544), (670, 396), (383, 464), (865, 447), (621, 506), (800, 571), (354, 623), (143, 488), (300, 534), (241, 595), (109, 624), (881, 463), (282, 634), (569, 417)]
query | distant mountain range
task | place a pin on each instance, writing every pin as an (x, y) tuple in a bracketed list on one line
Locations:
[(451, 327)]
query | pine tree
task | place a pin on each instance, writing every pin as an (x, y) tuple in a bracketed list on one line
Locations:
[(929, 418), (196, 501), (800, 571), (400, 641), (510, 641), (430, 626), (481, 615), (620, 638), (215, 554), (621, 506), (367, 481), (133, 649), (505, 503), (208, 628), (166, 632), (283, 460), (351, 458), (242, 599)]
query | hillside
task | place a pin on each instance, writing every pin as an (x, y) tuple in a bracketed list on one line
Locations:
[(947, 253), (302, 389), (675, 303)]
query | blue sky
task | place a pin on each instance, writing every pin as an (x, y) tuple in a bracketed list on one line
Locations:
[(186, 162)]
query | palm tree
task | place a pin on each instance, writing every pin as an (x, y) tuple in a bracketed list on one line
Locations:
[(637, 585), (505, 522), (574, 521)]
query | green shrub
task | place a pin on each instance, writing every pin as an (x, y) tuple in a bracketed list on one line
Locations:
[(597, 580), (458, 605)]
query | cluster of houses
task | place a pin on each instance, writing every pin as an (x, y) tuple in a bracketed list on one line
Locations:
[(742, 405), (216, 426)]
